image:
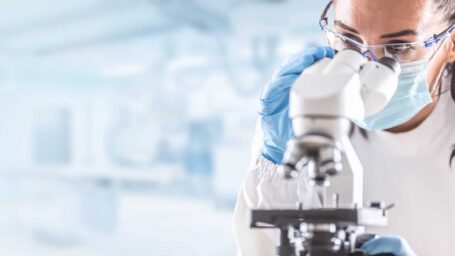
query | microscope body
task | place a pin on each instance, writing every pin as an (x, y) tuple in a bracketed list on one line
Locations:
[(323, 102)]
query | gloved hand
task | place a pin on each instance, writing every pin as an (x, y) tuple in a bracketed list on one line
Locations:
[(388, 244), (275, 122)]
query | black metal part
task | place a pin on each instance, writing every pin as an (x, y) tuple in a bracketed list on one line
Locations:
[(322, 242), (339, 216), (358, 253), (286, 247), (390, 63)]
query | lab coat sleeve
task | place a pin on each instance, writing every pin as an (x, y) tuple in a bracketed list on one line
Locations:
[(264, 188)]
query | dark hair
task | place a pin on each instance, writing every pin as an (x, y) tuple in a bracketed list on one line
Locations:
[(447, 7), (452, 92)]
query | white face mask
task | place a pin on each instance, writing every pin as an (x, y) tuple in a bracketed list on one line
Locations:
[(411, 96)]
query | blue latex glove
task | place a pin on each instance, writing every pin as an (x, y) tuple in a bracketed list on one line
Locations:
[(388, 244), (275, 121)]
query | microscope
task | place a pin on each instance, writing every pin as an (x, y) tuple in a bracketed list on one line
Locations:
[(323, 101)]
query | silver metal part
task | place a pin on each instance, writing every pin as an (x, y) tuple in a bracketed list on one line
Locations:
[(323, 101)]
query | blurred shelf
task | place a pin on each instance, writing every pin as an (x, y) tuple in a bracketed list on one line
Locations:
[(157, 174)]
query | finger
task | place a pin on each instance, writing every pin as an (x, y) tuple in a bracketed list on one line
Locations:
[(299, 62), (394, 245), (277, 87), (285, 77)]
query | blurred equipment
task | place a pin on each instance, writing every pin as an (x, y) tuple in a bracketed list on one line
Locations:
[(323, 102), (198, 156)]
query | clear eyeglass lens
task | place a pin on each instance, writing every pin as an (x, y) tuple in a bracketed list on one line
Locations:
[(400, 52), (340, 43), (403, 52)]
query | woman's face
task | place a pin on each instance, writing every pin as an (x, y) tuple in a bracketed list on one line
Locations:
[(376, 22)]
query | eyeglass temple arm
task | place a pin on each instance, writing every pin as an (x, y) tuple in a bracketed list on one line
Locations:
[(324, 19), (438, 37)]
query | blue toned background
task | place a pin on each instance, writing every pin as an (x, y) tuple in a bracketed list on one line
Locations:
[(126, 126)]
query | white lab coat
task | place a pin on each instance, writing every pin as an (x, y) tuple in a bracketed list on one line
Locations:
[(410, 169)]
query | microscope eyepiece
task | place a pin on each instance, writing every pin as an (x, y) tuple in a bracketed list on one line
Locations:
[(391, 63)]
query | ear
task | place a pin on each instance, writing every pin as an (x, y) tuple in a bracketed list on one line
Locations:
[(451, 48)]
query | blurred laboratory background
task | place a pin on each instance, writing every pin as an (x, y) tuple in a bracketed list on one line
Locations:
[(126, 125)]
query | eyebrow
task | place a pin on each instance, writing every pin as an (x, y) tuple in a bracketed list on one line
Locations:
[(405, 32), (342, 25)]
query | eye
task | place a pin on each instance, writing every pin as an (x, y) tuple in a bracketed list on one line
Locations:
[(400, 49), (352, 37), (340, 40), (348, 41)]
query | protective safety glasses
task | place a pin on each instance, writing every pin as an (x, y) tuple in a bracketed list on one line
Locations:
[(402, 52)]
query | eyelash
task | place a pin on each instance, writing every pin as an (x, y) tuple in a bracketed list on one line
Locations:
[(353, 37)]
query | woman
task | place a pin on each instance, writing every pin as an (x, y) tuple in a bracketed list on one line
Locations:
[(407, 149)]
